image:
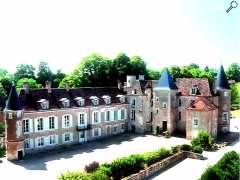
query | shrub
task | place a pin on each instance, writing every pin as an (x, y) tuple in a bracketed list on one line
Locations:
[(226, 168), (186, 147), (175, 149), (91, 167), (2, 152), (197, 149), (125, 166), (2, 127), (155, 156), (74, 175), (204, 140), (99, 175)]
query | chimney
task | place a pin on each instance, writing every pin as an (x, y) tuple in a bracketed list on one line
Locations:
[(120, 86), (48, 86), (26, 87), (140, 77), (67, 87)]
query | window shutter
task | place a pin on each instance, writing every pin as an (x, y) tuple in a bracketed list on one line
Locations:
[(56, 139), (36, 142), (85, 119), (92, 117), (125, 114), (30, 143), (71, 120), (71, 136), (45, 123), (112, 115), (30, 125), (99, 117), (56, 122), (99, 131), (104, 116), (36, 123), (46, 140), (63, 122), (119, 114)]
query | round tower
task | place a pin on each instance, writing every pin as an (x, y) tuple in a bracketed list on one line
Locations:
[(14, 134)]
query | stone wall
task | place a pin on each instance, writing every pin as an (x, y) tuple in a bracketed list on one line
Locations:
[(159, 166)]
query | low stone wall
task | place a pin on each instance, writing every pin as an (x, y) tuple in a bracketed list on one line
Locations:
[(159, 166)]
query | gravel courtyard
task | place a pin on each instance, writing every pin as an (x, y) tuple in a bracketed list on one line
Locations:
[(48, 166)]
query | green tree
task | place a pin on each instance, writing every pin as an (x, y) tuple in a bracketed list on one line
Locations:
[(24, 71), (137, 66), (31, 82), (235, 91), (175, 71), (153, 74), (57, 78), (3, 92), (44, 73), (3, 72), (6, 83), (233, 72)]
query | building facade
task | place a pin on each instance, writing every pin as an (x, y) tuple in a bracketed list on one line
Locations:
[(41, 119)]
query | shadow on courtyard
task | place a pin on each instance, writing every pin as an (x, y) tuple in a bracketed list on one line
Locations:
[(38, 161)]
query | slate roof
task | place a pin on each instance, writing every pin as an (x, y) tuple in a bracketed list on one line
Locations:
[(166, 81), (221, 82), (202, 104), (185, 85), (13, 102), (30, 100)]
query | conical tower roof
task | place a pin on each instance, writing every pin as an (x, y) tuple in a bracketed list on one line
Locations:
[(13, 102), (221, 82), (166, 81)]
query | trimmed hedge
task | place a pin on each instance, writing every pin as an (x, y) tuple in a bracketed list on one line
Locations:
[(74, 175), (186, 147), (204, 140), (227, 168), (155, 156), (197, 149)]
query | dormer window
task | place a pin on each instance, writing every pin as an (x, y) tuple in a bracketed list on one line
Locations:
[(80, 101), (107, 99), (44, 104), (95, 100), (134, 91), (122, 98), (194, 90), (65, 102)]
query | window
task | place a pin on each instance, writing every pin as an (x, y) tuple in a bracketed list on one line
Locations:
[(157, 110), (157, 98), (225, 116), (122, 126), (81, 102), (51, 123), (44, 104), (66, 121), (122, 114), (179, 102), (95, 117), (133, 103), (164, 105), (26, 125), (95, 102), (107, 115), (133, 115), (27, 143), (10, 116), (52, 139), (195, 122), (134, 91), (122, 99), (81, 119), (107, 99), (115, 129), (194, 90), (67, 137), (40, 124), (96, 132), (115, 114), (179, 115), (40, 142)]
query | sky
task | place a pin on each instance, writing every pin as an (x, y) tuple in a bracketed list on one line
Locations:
[(162, 32)]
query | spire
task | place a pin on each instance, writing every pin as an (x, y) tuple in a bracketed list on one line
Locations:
[(221, 82), (166, 81), (13, 102)]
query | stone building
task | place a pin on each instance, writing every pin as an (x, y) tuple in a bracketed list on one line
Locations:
[(41, 119)]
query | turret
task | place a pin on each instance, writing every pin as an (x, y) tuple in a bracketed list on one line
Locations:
[(164, 103), (13, 119), (223, 98)]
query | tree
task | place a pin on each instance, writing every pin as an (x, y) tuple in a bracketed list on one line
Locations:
[(235, 91), (24, 71), (153, 74), (175, 71), (57, 78), (3, 72), (137, 66), (7, 83), (233, 72), (31, 82), (3, 92), (44, 73)]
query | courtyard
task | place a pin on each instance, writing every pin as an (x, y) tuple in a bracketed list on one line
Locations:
[(50, 165)]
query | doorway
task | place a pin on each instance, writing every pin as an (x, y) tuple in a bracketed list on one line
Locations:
[(20, 155), (82, 137), (164, 125), (133, 129)]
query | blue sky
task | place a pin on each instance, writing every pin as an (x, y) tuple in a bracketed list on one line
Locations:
[(163, 33)]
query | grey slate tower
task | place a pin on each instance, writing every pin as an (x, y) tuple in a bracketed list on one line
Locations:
[(222, 89), (164, 103), (13, 119)]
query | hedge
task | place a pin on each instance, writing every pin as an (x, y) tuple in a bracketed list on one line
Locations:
[(2, 152), (74, 176), (197, 149), (227, 168), (155, 156)]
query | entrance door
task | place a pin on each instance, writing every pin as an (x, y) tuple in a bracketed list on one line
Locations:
[(20, 155), (82, 137), (133, 129), (164, 125)]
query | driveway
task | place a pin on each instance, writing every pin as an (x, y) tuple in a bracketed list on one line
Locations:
[(50, 165), (191, 169)]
